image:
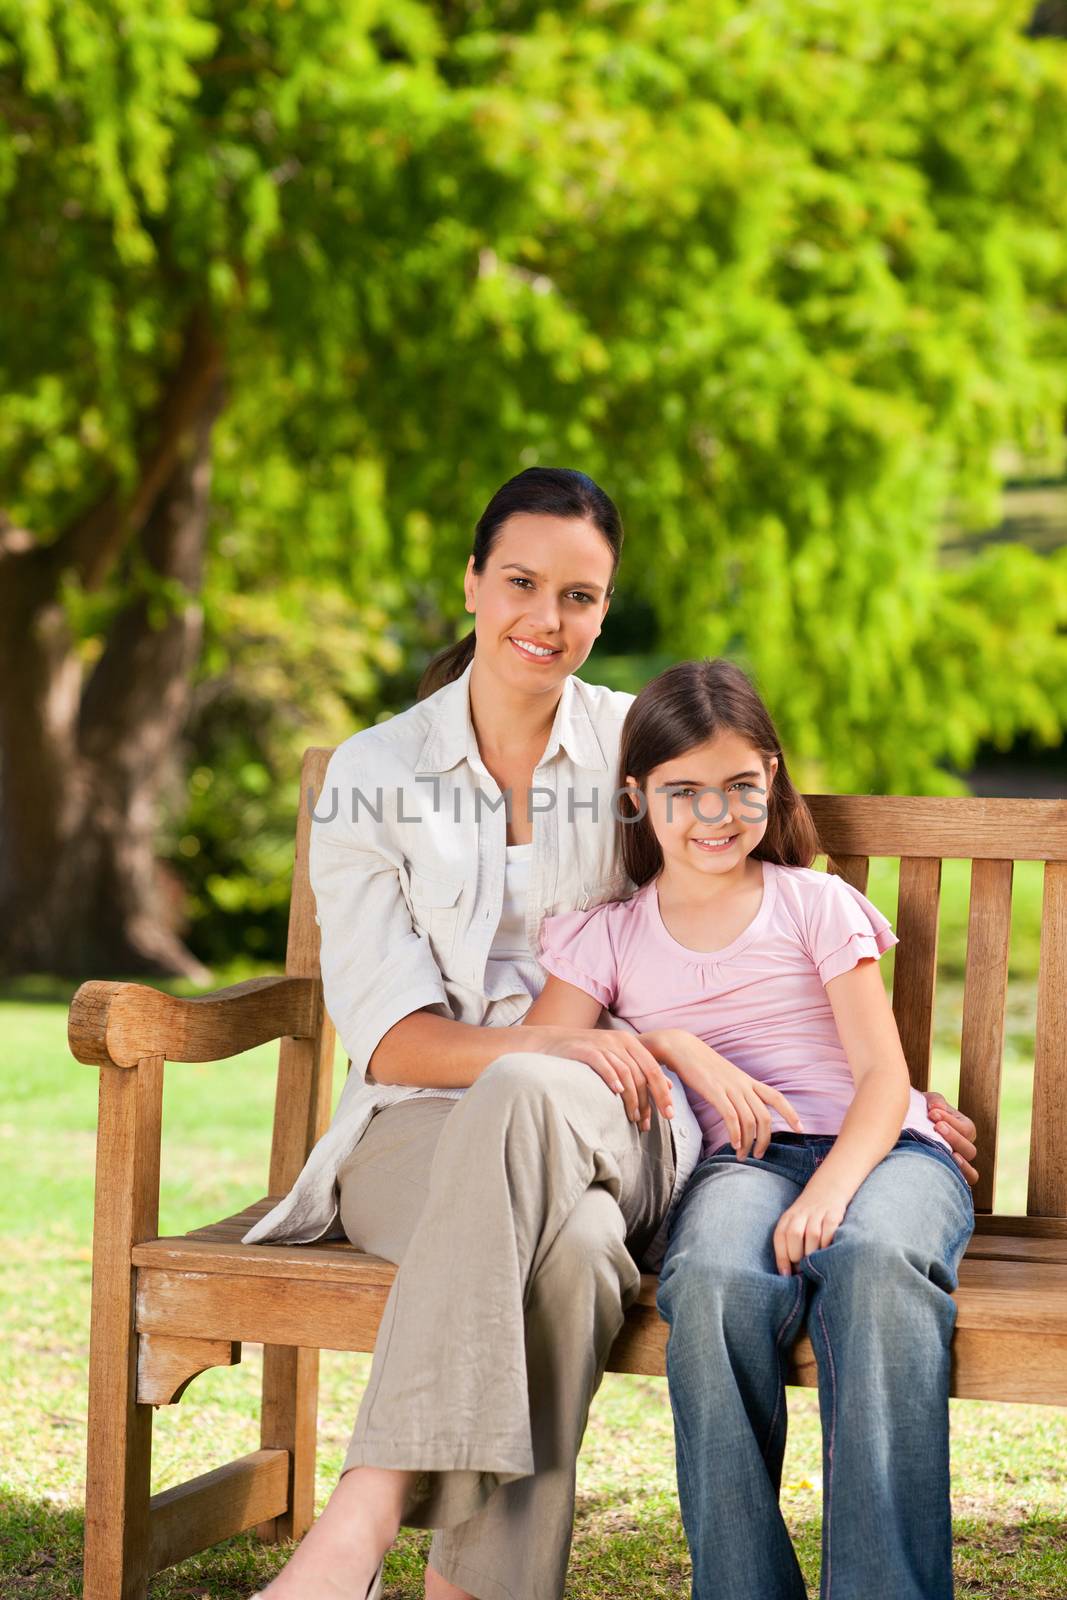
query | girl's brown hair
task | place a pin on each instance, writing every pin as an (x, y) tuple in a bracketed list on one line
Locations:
[(685, 706), (553, 491)]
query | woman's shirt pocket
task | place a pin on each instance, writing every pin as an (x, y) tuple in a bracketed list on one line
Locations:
[(435, 909)]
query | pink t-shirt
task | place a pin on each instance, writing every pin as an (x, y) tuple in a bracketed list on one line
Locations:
[(760, 1001)]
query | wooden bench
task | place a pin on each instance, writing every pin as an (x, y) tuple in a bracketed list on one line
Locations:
[(165, 1309)]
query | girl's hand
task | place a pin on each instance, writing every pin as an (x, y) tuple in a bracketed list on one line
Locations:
[(741, 1101), (809, 1224), (626, 1065)]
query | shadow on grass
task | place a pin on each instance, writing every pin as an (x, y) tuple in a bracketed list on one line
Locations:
[(1001, 1560), (621, 1552), (40, 1547), (614, 1555)]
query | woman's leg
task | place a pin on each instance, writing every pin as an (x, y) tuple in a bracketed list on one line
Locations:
[(732, 1319), (881, 1321), (520, 1542), (383, 1188), (468, 1357), (448, 1393)]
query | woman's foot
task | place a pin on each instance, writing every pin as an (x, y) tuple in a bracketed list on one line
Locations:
[(438, 1588), (339, 1556)]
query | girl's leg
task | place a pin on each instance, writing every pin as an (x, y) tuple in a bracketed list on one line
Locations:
[(452, 1393), (881, 1321), (732, 1319)]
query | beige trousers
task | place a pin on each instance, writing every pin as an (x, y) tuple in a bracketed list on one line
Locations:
[(517, 1215)]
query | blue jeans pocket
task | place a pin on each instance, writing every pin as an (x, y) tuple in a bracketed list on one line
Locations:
[(931, 1147)]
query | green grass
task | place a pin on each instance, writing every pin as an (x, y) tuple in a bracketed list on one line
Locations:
[(1009, 1462)]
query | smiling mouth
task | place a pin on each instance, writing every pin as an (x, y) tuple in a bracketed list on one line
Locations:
[(710, 846), (534, 652)]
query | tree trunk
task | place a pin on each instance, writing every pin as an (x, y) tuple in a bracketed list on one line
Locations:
[(80, 890)]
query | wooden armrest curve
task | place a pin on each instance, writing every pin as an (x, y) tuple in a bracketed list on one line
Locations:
[(118, 1024)]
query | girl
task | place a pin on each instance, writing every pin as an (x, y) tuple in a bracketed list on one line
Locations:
[(733, 950)]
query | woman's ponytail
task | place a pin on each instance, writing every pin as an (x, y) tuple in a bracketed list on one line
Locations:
[(446, 666)]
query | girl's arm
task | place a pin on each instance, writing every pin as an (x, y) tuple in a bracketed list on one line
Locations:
[(563, 1005), (742, 1101), (872, 1124), (569, 1017)]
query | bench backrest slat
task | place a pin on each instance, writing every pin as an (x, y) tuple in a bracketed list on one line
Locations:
[(854, 869), (1047, 1188), (949, 828), (305, 1066), (915, 962), (984, 994)]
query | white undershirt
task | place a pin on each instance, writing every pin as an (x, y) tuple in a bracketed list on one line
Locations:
[(509, 941)]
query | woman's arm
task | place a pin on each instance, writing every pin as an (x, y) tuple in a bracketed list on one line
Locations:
[(872, 1124), (563, 1005), (626, 1065), (426, 1050), (429, 1051)]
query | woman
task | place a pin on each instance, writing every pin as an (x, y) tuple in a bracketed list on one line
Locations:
[(516, 1192)]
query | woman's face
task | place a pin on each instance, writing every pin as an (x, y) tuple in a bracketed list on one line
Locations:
[(708, 806), (545, 584)]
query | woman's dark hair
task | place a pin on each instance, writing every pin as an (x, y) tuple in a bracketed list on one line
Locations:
[(553, 492), (685, 706)]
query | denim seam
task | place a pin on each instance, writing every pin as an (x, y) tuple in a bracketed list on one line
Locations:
[(829, 1492), (680, 1440), (782, 1331)]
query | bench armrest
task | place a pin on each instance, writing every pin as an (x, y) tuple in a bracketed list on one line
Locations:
[(118, 1024)]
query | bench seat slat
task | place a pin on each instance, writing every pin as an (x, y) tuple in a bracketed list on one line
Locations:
[(342, 1314), (338, 1262), (1011, 1338)]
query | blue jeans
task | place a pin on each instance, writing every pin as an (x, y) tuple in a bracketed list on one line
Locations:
[(880, 1318)]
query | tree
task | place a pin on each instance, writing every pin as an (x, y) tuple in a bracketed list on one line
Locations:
[(287, 290)]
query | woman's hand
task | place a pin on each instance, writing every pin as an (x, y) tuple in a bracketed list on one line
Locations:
[(741, 1101), (809, 1224), (626, 1065), (959, 1130)]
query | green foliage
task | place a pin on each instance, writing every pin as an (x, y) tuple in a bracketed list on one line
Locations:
[(279, 672), (781, 273)]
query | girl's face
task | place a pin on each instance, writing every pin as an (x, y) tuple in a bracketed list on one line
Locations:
[(544, 585), (708, 806)]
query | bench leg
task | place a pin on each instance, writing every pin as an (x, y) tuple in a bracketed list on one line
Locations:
[(119, 1461), (289, 1422)]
